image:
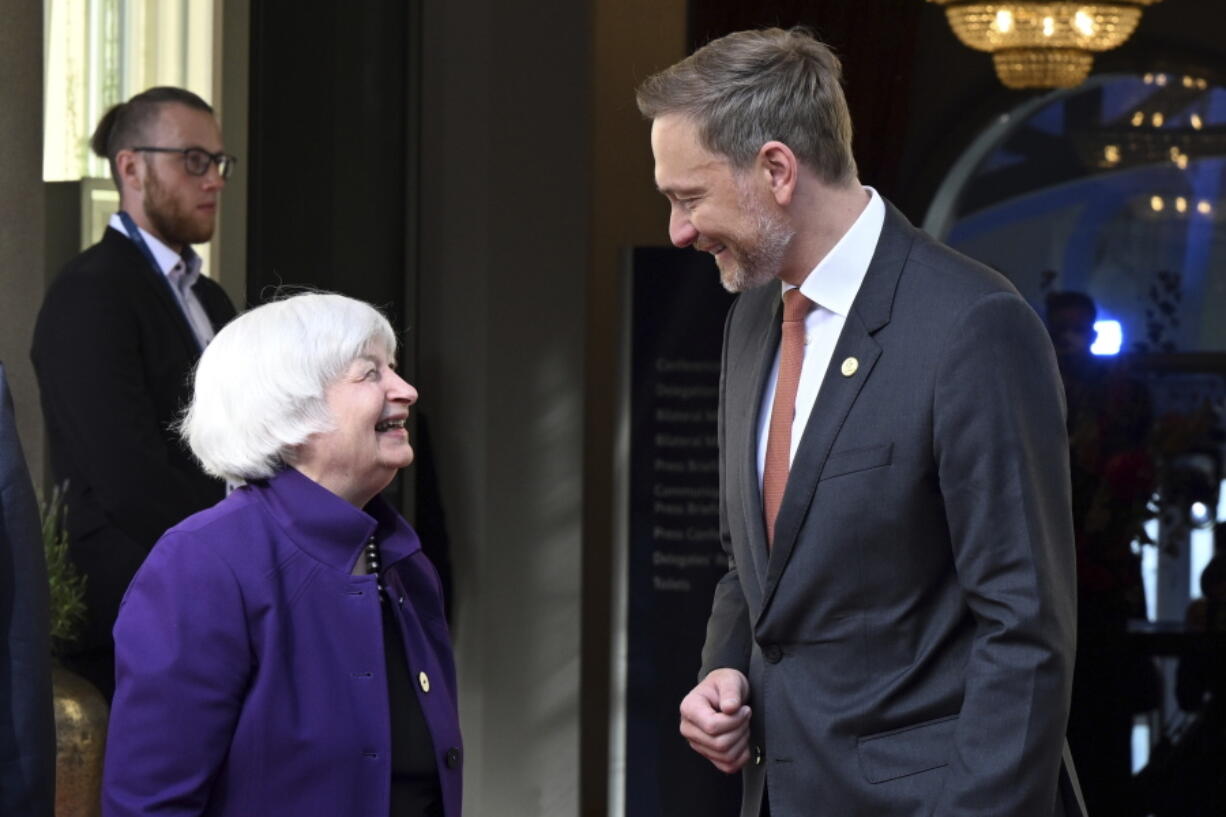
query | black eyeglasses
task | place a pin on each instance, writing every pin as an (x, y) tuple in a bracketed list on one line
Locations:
[(196, 161)]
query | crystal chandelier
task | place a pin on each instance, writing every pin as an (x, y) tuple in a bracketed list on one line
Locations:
[(1043, 44)]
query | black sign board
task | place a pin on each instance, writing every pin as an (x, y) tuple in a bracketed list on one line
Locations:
[(676, 311)]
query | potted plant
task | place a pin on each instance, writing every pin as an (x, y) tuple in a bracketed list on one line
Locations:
[(80, 710)]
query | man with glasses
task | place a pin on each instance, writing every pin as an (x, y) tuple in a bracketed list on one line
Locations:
[(114, 346)]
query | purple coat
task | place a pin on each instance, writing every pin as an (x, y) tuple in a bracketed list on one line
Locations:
[(249, 662)]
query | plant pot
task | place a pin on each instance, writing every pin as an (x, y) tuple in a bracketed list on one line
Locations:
[(80, 738)]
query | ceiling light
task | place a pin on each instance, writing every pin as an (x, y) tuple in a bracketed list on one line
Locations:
[(1044, 44)]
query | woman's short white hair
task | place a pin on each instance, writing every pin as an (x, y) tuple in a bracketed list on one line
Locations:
[(260, 384)]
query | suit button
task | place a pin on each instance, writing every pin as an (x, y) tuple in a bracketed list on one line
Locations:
[(424, 680), (452, 758), (772, 653), (756, 754)]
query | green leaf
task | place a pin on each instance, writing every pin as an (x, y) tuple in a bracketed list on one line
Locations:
[(67, 585)]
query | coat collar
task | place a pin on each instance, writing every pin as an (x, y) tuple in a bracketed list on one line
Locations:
[(875, 300), (836, 279), (156, 284), (330, 529)]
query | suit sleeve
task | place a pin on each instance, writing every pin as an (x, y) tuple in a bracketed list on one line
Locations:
[(1002, 457), (728, 638), (182, 664), (27, 726), (89, 359)]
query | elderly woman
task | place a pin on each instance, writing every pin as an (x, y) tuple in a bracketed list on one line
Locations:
[(285, 652)]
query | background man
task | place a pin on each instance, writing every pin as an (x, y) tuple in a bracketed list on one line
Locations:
[(895, 633), (114, 346), (1110, 417)]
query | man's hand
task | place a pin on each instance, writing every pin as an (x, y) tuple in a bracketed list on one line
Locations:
[(715, 719)]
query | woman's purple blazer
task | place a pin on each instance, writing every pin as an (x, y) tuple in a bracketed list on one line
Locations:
[(250, 669)]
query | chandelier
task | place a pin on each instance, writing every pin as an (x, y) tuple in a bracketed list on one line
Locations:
[(1043, 44)]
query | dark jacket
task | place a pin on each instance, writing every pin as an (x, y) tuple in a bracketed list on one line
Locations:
[(909, 637), (27, 730), (114, 356)]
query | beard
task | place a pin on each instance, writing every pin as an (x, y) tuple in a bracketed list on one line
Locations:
[(757, 258), (170, 218)]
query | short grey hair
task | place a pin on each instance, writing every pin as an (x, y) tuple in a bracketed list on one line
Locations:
[(260, 386), (752, 87)]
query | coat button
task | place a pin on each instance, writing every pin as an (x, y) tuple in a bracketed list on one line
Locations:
[(756, 753), (452, 758), (424, 680), (772, 653)]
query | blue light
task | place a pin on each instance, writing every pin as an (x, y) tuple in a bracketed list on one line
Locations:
[(1110, 338)]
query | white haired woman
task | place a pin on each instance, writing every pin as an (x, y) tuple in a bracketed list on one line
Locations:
[(285, 651)]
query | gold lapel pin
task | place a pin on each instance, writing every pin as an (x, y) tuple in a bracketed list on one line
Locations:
[(850, 365)]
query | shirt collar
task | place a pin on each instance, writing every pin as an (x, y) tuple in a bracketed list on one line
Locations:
[(836, 279), (329, 528), (166, 258)]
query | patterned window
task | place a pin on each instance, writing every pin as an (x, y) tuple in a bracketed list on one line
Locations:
[(100, 52)]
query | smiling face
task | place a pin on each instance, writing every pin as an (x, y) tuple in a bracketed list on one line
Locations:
[(369, 404), (717, 208), (165, 199)]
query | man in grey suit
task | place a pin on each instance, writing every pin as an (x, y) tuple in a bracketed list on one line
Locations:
[(895, 634)]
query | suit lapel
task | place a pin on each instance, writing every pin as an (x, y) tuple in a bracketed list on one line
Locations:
[(157, 287), (870, 311), (216, 306), (834, 401)]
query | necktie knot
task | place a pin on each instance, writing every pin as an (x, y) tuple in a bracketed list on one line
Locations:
[(796, 307)]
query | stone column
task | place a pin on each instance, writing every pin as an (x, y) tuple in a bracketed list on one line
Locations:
[(22, 274)]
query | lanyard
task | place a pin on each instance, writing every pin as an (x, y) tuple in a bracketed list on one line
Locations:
[(139, 240)]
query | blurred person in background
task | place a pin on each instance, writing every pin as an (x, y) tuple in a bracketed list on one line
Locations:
[(116, 339)]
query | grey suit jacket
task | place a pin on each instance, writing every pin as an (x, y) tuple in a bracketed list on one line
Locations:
[(909, 639), (27, 727)]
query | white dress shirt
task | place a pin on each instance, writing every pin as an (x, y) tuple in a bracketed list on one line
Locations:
[(831, 285), (182, 276)]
